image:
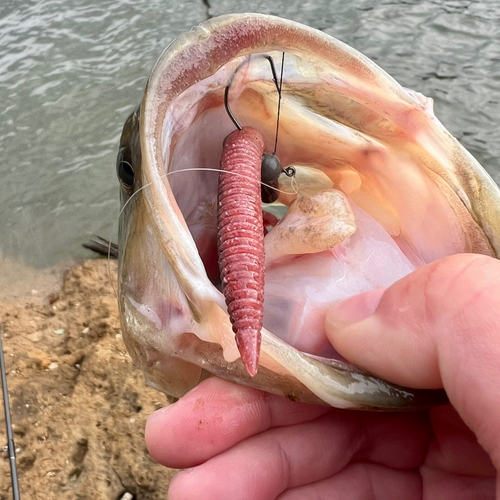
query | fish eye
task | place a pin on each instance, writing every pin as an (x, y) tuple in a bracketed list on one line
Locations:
[(124, 168), (270, 169)]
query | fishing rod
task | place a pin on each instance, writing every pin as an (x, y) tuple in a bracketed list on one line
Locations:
[(8, 424)]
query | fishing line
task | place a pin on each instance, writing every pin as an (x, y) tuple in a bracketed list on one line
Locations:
[(109, 268), (225, 172), (193, 169), (279, 103), (198, 169), (114, 227), (289, 171), (8, 424), (294, 185)]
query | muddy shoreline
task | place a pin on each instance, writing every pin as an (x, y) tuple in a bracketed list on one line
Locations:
[(78, 406)]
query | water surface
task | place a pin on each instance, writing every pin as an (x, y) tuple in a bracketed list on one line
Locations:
[(72, 70)]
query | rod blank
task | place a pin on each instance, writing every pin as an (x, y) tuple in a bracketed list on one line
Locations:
[(8, 424)]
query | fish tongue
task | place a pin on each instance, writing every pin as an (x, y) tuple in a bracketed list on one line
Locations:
[(312, 224)]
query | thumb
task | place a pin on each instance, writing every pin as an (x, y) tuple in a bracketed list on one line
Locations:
[(437, 327), (441, 320)]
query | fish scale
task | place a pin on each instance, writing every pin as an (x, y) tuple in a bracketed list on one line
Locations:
[(241, 240)]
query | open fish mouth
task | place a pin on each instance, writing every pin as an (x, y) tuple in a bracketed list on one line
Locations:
[(380, 189)]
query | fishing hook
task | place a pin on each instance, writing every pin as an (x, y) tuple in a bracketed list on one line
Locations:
[(243, 63), (270, 162)]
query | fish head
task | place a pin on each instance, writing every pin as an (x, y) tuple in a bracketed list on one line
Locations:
[(380, 188)]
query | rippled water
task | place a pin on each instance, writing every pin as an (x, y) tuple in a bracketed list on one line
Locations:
[(72, 70)]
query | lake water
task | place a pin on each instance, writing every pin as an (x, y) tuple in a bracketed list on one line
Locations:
[(72, 70)]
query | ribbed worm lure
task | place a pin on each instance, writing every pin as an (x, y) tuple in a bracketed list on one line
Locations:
[(240, 227)]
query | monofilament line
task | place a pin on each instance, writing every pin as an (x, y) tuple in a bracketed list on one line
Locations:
[(279, 103)]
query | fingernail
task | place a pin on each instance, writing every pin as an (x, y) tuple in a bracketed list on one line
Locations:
[(354, 309), (158, 414), (185, 481), (185, 472)]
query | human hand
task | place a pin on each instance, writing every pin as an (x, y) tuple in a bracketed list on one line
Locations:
[(438, 327)]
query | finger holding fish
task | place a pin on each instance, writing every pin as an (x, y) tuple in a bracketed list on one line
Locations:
[(443, 453), (223, 409), (274, 439)]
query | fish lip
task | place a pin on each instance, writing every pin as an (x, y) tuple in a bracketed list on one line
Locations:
[(190, 266)]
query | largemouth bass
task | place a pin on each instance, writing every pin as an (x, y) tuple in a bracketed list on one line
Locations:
[(380, 189)]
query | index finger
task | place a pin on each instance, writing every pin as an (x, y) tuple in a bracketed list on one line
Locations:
[(213, 417)]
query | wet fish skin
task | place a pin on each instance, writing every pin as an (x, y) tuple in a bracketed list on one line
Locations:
[(173, 319)]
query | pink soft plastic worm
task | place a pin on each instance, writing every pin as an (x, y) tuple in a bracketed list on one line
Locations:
[(241, 240)]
